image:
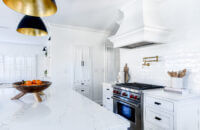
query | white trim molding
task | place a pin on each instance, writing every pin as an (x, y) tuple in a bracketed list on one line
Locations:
[(78, 28)]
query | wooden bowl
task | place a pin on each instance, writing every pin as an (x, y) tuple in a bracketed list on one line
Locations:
[(31, 88)]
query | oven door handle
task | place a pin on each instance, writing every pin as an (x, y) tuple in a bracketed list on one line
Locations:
[(125, 102)]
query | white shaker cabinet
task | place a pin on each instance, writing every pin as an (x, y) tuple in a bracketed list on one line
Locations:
[(170, 111), (82, 71), (107, 96), (82, 89)]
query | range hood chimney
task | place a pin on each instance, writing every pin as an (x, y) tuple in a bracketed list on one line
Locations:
[(140, 25)]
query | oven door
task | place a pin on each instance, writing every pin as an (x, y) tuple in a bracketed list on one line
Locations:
[(130, 111)]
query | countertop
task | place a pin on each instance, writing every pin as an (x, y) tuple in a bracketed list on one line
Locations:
[(62, 109), (170, 95)]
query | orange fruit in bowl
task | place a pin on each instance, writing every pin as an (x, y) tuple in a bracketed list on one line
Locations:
[(34, 82), (38, 82), (28, 83)]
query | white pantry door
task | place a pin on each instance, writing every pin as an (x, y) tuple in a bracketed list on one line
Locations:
[(82, 65), (83, 69)]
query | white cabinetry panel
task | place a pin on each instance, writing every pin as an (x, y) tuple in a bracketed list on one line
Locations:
[(107, 96), (82, 65), (164, 121), (82, 89), (170, 111), (82, 71), (1, 69), (161, 104)]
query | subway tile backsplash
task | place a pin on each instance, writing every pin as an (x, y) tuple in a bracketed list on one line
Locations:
[(172, 57)]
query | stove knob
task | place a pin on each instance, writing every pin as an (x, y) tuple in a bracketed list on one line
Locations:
[(131, 96), (136, 97), (124, 94), (117, 92), (114, 91)]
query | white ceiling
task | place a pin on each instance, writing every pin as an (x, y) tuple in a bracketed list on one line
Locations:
[(95, 14)]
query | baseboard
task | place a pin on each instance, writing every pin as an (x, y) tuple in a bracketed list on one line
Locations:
[(99, 102)]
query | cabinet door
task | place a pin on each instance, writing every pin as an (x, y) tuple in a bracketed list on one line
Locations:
[(148, 126), (77, 66), (107, 96), (86, 65), (110, 104), (85, 92), (82, 65), (158, 118), (1, 69)]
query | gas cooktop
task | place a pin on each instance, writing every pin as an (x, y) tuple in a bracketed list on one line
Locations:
[(139, 86)]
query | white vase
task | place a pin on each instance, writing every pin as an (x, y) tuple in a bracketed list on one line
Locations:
[(177, 83)]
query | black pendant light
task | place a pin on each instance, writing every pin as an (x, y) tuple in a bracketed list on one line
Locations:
[(32, 26), (39, 8)]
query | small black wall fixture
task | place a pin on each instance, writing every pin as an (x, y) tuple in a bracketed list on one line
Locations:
[(39, 8), (45, 51), (32, 26), (49, 39)]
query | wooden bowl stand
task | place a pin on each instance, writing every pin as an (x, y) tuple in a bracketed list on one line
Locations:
[(36, 96)]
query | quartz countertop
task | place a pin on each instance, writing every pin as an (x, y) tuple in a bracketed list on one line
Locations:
[(172, 96), (62, 109)]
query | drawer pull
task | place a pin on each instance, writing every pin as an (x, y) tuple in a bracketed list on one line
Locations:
[(108, 98), (82, 90), (157, 103), (157, 118), (107, 89)]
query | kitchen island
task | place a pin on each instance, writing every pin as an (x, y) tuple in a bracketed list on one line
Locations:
[(62, 109)]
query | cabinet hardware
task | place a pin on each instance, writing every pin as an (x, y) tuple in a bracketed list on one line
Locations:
[(82, 90), (157, 103), (128, 103), (157, 118), (108, 89), (108, 98), (82, 63)]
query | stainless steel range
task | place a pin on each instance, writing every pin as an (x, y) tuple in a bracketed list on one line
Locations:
[(128, 100)]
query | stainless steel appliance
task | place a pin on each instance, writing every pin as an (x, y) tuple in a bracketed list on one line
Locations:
[(128, 100)]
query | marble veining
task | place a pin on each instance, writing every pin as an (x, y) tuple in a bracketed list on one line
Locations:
[(62, 109)]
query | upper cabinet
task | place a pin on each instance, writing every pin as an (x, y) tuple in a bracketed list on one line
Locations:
[(82, 66), (140, 24)]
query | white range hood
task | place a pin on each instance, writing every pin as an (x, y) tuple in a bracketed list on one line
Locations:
[(140, 24)]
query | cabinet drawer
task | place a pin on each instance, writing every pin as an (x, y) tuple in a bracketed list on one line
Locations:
[(110, 107), (107, 90), (108, 103), (83, 91), (149, 126), (159, 104), (108, 100), (160, 120)]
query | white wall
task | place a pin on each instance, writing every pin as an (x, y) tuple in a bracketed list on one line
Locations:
[(183, 50), (18, 50), (64, 39), (14, 49)]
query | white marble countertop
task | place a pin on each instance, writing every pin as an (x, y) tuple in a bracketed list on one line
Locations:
[(170, 95), (62, 109)]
